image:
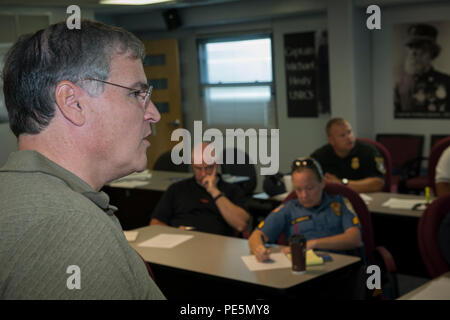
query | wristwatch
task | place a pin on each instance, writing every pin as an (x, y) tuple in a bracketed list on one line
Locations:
[(344, 181)]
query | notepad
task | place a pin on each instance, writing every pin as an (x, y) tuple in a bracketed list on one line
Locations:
[(165, 240), (131, 235), (279, 261)]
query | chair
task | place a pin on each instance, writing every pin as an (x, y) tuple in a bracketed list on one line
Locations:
[(427, 235), (419, 183), (437, 137), (164, 162), (388, 185), (245, 169), (406, 154), (373, 253)]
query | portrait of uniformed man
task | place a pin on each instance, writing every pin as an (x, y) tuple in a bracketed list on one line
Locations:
[(422, 91)]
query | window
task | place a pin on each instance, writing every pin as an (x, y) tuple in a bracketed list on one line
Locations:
[(236, 82)]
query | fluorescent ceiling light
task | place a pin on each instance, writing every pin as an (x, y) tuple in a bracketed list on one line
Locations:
[(132, 2)]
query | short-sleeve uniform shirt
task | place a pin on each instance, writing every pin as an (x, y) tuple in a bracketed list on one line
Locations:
[(330, 218), (443, 167), (363, 161), (186, 203)]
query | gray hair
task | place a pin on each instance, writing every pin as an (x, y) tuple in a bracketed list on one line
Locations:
[(37, 62)]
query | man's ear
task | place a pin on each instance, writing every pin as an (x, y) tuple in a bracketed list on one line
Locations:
[(67, 96)]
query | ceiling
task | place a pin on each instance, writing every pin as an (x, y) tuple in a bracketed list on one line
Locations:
[(94, 4)]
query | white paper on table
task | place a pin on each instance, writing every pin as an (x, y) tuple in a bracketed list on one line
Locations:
[(131, 235), (438, 289), (365, 198), (395, 203), (281, 196), (128, 184), (278, 261), (144, 175), (165, 240)]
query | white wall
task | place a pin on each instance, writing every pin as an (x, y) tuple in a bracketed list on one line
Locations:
[(382, 66)]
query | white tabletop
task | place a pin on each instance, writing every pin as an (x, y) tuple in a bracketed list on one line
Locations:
[(159, 180), (436, 289), (220, 256)]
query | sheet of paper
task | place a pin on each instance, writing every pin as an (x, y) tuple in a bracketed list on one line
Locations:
[(438, 289), (144, 175), (395, 203), (165, 240), (131, 235), (366, 198), (128, 184), (278, 261), (280, 197)]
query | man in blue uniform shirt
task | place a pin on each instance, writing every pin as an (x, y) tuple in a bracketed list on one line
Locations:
[(323, 219)]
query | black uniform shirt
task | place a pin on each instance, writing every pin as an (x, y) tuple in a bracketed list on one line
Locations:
[(363, 161), (186, 203)]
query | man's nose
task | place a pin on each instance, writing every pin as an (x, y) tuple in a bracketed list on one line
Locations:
[(152, 113)]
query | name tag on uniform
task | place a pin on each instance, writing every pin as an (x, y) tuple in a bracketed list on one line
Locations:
[(305, 218)]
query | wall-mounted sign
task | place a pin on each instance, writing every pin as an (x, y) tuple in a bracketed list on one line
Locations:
[(307, 76)]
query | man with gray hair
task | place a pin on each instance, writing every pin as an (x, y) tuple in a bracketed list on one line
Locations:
[(79, 105)]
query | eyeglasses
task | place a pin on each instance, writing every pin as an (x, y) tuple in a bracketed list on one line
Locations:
[(307, 163), (144, 94)]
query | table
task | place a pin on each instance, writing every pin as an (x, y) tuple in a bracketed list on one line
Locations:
[(396, 229), (137, 203), (208, 259), (378, 198), (436, 289)]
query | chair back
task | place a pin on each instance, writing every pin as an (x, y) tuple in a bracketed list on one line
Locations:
[(387, 162), (164, 162), (360, 208), (403, 148), (436, 138), (427, 236), (245, 169), (435, 154)]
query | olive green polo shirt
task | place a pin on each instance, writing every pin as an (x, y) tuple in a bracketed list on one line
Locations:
[(60, 238)]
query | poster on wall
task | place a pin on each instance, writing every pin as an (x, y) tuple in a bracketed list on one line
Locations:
[(422, 70), (307, 74), (3, 113)]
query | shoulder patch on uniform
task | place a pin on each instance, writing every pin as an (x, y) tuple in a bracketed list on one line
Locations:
[(379, 162), (278, 208), (300, 219), (355, 163), (336, 207), (260, 225), (355, 221)]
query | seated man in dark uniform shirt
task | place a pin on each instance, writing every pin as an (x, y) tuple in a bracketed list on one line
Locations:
[(345, 160), (204, 202)]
